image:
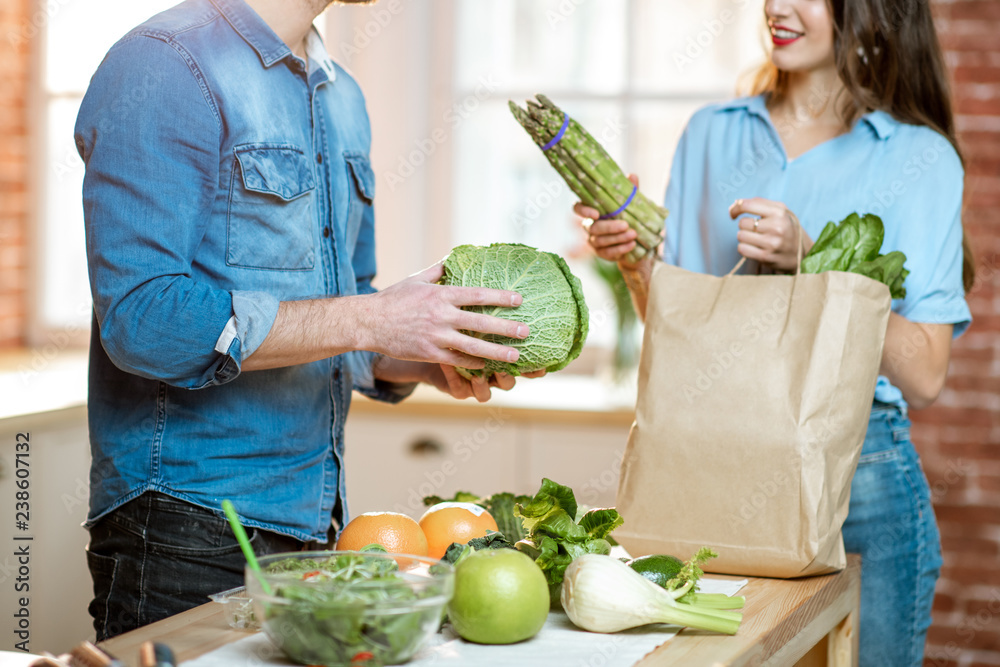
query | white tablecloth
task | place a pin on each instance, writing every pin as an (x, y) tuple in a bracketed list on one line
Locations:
[(558, 643)]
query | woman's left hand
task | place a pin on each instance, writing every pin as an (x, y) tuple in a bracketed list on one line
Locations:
[(771, 236)]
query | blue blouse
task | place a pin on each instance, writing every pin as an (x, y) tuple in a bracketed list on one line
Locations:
[(908, 175)]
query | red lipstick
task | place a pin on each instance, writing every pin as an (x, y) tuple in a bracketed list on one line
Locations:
[(786, 38)]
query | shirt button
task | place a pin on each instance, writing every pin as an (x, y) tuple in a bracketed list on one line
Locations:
[(326, 232), (336, 374), (319, 158)]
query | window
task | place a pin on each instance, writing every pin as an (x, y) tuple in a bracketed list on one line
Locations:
[(631, 71), (77, 36)]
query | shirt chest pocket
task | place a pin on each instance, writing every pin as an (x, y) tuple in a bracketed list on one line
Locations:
[(361, 182), (271, 222)]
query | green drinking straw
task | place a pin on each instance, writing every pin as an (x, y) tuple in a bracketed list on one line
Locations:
[(241, 537)]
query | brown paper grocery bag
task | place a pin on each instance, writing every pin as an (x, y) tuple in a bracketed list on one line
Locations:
[(754, 398)]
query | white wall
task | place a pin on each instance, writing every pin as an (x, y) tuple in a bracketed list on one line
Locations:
[(407, 109)]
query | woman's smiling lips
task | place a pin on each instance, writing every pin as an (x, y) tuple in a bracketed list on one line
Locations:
[(782, 36)]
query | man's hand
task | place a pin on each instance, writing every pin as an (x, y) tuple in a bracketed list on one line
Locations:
[(418, 320), (447, 379)]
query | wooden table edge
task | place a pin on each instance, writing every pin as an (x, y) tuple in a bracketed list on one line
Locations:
[(833, 598)]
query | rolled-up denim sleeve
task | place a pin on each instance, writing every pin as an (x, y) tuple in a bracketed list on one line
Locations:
[(364, 366), (149, 132)]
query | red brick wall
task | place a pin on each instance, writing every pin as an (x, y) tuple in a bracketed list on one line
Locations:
[(959, 437), (14, 72)]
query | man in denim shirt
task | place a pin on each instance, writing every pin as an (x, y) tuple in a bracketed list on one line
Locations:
[(228, 199)]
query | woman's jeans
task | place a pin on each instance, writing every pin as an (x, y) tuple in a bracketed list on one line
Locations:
[(891, 524), (156, 556)]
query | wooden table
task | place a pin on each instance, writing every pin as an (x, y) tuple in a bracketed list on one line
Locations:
[(802, 622)]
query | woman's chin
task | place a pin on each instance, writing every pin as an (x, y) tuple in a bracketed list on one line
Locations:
[(796, 63)]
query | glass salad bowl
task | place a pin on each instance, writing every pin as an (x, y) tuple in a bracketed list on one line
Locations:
[(337, 608)]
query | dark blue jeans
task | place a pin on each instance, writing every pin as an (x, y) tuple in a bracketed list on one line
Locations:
[(891, 524), (157, 556)]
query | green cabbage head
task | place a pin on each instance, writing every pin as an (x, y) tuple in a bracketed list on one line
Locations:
[(553, 305)]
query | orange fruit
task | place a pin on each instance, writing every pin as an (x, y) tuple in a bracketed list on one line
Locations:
[(449, 522), (398, 533)]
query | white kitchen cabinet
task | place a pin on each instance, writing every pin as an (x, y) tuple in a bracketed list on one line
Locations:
[(52, 576), (394, 460), (569, 428), (586, 459)]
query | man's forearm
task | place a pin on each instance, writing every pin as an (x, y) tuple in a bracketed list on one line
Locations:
[(307, 331)]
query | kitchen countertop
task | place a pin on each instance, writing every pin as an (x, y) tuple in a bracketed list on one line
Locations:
[(43, 380), (560, 397)]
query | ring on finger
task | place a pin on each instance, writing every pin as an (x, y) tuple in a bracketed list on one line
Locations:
[(756, 222)]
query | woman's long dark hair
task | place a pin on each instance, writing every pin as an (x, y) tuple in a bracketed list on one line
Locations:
[(888, 58)]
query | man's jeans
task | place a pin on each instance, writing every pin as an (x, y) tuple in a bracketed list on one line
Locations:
[(156, 556)]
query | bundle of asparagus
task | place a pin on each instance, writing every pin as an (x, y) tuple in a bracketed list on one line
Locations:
[(591, 173)]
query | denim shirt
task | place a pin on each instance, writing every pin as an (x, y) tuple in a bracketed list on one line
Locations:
[(222, 177)]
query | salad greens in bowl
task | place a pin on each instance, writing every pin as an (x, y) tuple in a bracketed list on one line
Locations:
[(338, 607)]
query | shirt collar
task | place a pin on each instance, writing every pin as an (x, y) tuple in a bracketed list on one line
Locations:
[(318, 57), (259, 35), (254, 30), (753, 104), (882, 123)]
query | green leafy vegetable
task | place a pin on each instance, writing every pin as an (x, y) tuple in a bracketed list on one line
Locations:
[(493, 540), (553, 305), (460, 497), (554, 538), (853, 245)]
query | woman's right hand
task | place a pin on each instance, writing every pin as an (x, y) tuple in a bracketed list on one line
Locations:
[(610, 239)]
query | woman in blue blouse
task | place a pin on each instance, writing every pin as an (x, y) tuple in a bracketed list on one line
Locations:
[(852, 113)]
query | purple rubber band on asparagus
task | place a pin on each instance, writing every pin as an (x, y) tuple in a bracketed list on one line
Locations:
[(562, 131), (624, 206)]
